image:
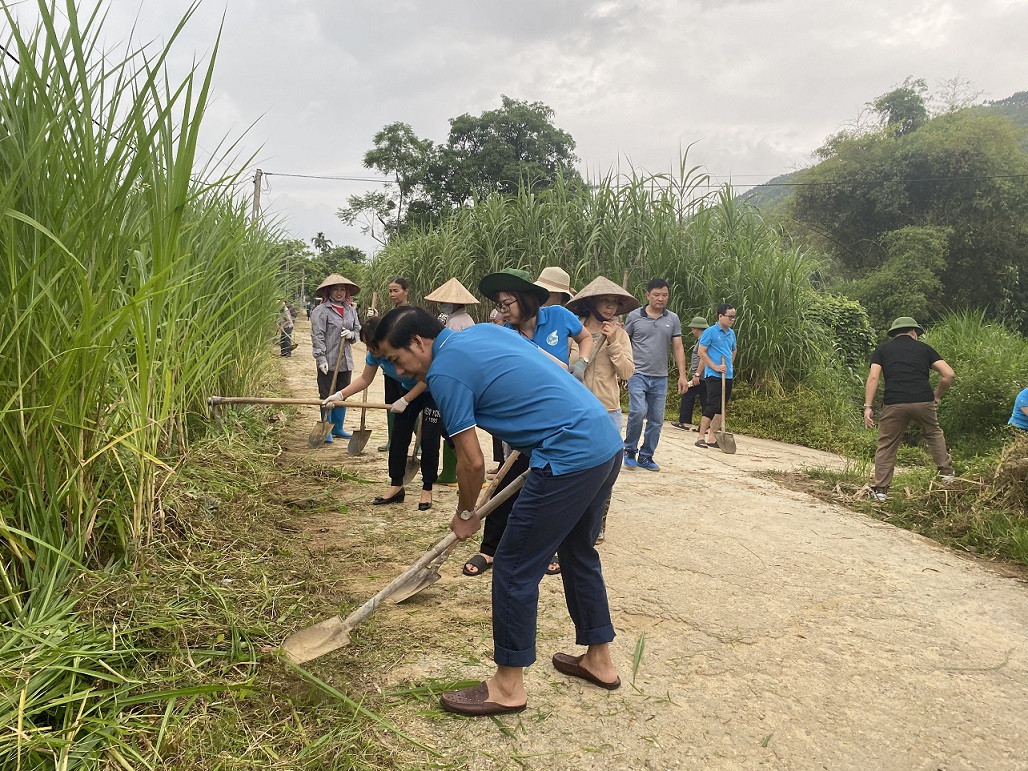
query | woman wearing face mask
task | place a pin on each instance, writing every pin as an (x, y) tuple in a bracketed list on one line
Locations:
[(599, 304), (334, 323), (452, 298)]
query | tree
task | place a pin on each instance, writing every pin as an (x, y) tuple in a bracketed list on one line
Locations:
[(903, 109), (498, 151), (963, 174)]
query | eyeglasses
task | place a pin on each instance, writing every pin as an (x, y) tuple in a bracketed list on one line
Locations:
[(505, 307), (729, 316)]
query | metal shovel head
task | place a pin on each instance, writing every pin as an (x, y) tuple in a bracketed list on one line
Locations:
[(319, 433), (413, 463), (421, 581), (726, 441), (314, 641), (358, 441)]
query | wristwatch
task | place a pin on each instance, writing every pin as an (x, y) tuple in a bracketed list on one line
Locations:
[(466, 515)]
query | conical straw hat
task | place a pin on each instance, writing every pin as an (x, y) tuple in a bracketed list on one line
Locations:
[(333, 280), (601, 287), (453, 291)]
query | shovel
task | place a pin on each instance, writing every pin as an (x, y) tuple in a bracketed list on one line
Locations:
[(323, 427), (412, 462), (429, 574), (725, 439), (333, 633), (360, 437)]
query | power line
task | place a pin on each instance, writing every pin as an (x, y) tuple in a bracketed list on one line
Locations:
[(334, 177)]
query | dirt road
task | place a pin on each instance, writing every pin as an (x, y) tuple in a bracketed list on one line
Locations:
[(772, 630)]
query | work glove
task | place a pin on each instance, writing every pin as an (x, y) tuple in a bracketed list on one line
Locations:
[(399, 405), (578, 370), (336, 397), (323, 366), (349, 335)]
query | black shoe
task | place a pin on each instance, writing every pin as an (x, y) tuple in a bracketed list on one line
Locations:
[(397, 498), (424, 506)]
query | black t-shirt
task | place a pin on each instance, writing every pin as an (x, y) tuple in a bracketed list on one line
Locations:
[(905, 364)]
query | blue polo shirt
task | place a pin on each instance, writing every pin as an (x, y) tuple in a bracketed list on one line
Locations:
[(487, 377), (1018, 418), (553, 326), (390, 370), (718, 342)]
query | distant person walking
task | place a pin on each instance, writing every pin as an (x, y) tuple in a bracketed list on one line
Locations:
[(717, 348), (653, 331), (697, 389), (906, 363)]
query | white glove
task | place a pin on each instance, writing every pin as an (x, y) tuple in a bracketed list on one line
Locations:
[(349, 334), (336, 397), (323, 366), (399, 405)]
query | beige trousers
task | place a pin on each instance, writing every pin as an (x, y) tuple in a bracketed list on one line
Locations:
[(891, 425)]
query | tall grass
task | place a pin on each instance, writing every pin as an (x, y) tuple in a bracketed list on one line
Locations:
[(131, 286), (710, 248)]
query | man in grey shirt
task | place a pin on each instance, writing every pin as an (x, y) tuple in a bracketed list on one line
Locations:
[(653, 330)]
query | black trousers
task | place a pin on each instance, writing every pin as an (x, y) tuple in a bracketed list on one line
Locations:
[(696, 393), (404, 424)]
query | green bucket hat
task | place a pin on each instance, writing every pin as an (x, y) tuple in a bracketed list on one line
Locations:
[(511, 280), (902, 324), (698, 322)]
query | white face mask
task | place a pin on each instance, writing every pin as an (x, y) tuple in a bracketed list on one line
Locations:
[(447, 308)]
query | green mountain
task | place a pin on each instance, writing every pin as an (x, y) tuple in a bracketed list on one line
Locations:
[(776, 190)]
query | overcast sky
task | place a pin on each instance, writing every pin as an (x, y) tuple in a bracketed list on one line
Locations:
[(754, 85)]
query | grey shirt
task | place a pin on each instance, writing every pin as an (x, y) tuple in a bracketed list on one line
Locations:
[(651, 340), (694, 359)]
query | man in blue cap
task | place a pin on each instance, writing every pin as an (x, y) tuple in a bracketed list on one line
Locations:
[(490, 378)]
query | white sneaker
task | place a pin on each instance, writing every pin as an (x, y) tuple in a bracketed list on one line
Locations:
[(947, 479), (878, 496)]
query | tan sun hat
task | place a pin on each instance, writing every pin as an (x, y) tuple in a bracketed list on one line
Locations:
[(453, 291), (555, 280), (602, 287), (335, 280)]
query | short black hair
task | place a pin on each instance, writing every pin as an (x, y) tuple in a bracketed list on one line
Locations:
[(527, 302), (723, 308), (403, 283), (401, 325), (657, 283), (368, 329)]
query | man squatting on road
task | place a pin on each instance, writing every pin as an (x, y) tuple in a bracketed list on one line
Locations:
[(478, 379)]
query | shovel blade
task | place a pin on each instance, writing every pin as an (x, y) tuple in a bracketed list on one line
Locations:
[(726, 441), (419, 583), (358, 441), (411, 471), (314, 641), (319, 433)]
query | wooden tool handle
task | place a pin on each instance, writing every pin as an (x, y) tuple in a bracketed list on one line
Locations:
[(214, 401)]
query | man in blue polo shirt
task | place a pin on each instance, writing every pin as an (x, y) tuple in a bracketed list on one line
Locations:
[(653, 330), (490, 378), (717, 349)]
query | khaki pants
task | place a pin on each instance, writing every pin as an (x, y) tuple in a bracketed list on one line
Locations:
[(891, 425)]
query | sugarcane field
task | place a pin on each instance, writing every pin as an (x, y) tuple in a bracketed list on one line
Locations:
[(333, 445)]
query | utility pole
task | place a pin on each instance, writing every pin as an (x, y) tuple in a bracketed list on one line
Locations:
[(257, 195)]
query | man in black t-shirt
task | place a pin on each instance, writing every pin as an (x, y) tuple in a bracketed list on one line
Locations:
[(906, 363)]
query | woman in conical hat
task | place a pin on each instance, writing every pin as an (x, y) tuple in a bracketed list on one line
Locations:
[(334, 323), (599, 304), (453, 297)]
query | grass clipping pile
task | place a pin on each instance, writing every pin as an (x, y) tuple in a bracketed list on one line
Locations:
[(1010, 482)]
